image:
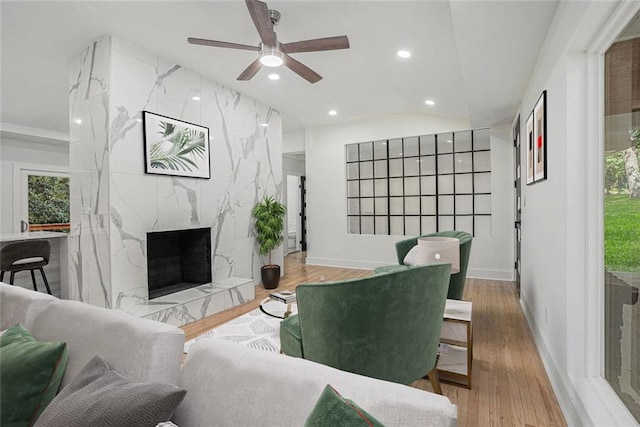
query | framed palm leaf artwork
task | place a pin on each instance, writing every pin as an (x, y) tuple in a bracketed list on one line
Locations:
[(173, 147)]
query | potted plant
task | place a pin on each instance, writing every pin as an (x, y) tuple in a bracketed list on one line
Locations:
[(269, 215)]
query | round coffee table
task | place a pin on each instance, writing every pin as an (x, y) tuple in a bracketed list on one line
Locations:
[(275, 308)]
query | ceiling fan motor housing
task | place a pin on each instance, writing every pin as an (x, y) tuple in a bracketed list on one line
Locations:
[(275, 16)]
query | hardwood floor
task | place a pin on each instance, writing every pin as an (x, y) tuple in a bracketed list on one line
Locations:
[(509, 384)]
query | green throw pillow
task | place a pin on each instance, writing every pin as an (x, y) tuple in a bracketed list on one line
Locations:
[(30, 374), (334, 410)]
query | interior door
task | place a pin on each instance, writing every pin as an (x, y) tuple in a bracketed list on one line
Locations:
[(518, 207)]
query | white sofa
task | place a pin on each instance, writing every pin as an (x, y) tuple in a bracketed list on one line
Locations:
[(227, 384)]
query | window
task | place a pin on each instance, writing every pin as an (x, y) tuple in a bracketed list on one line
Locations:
[(41, 198), (622, 216), (48, 203), (421, 184)]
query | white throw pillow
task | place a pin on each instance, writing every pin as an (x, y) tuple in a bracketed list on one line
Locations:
[(412, 256)]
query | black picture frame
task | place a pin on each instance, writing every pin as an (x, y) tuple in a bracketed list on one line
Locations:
[(530, 170), (537, 144), (175, 148)]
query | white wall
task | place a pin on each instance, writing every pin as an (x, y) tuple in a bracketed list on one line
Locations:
[(17, 153), (561, 286), (294, 141), (329, 243)]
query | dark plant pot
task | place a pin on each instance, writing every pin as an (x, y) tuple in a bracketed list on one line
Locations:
[(270, 276)]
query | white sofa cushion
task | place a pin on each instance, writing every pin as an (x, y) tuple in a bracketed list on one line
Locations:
[(236, 385), (20, 305), (141, 350)]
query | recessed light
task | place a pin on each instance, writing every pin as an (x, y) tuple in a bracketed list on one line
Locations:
[(430, 102), (264, 125), (274, 76), (195, 98), (449, 141), (404, 54), (139, 120), (333, 112), (78, 121)]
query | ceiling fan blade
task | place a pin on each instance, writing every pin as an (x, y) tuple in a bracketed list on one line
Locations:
[(300, 69), (315, 45), (261, 19), (251, 70), (216, 43)]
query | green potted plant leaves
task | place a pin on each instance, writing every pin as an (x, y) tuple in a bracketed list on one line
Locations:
[(269, 216)]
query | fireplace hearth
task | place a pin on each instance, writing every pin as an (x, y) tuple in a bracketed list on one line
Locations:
[(178, 260)]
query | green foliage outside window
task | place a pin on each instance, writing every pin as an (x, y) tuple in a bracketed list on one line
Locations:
[(48, 199)]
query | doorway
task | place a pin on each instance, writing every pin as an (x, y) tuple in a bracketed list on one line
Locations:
[(293, 224), (518, 206)]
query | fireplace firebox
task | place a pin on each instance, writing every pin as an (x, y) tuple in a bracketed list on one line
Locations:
[(178, 260)]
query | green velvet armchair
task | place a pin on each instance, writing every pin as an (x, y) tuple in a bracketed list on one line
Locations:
[(456, 283), (384, 326)]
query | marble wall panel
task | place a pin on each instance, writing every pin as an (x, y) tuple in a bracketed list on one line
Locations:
[(217, 115), (247, 260), (133, 92), (178, 203), (89, 258), (239, 295), (134, 213), (247, 194), (88, 76), (95, 260), (217, 212), (175, 89)]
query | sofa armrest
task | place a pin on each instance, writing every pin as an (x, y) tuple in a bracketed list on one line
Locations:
[(20, 305), (237, 386), (141, 350)]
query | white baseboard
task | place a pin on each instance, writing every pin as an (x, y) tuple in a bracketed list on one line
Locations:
[(370, 265), (477, 273), (561, 384), (585, 401), (345, 263)]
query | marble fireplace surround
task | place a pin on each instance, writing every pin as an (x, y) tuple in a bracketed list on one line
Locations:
[(114, 203)]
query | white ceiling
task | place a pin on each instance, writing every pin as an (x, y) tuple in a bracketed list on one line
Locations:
[(474, 58)]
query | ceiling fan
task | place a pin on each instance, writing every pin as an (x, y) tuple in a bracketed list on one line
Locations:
[(272, 52)]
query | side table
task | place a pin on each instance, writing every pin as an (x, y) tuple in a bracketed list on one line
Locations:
[(278, 309), (456, 343)]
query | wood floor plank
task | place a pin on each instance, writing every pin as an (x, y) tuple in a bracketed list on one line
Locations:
[(509, 384)]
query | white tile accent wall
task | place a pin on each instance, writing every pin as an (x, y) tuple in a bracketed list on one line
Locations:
[(114, 203)]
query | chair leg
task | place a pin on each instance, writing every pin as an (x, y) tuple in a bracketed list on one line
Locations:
[(33, 279), (46, 282), (11, 277), (435, 380)]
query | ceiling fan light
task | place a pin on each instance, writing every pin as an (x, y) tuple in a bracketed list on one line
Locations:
[(270, 57), (271, 60)]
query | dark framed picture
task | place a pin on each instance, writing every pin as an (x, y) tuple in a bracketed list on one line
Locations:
[(540, 138), (174, 147), (530, 150)]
